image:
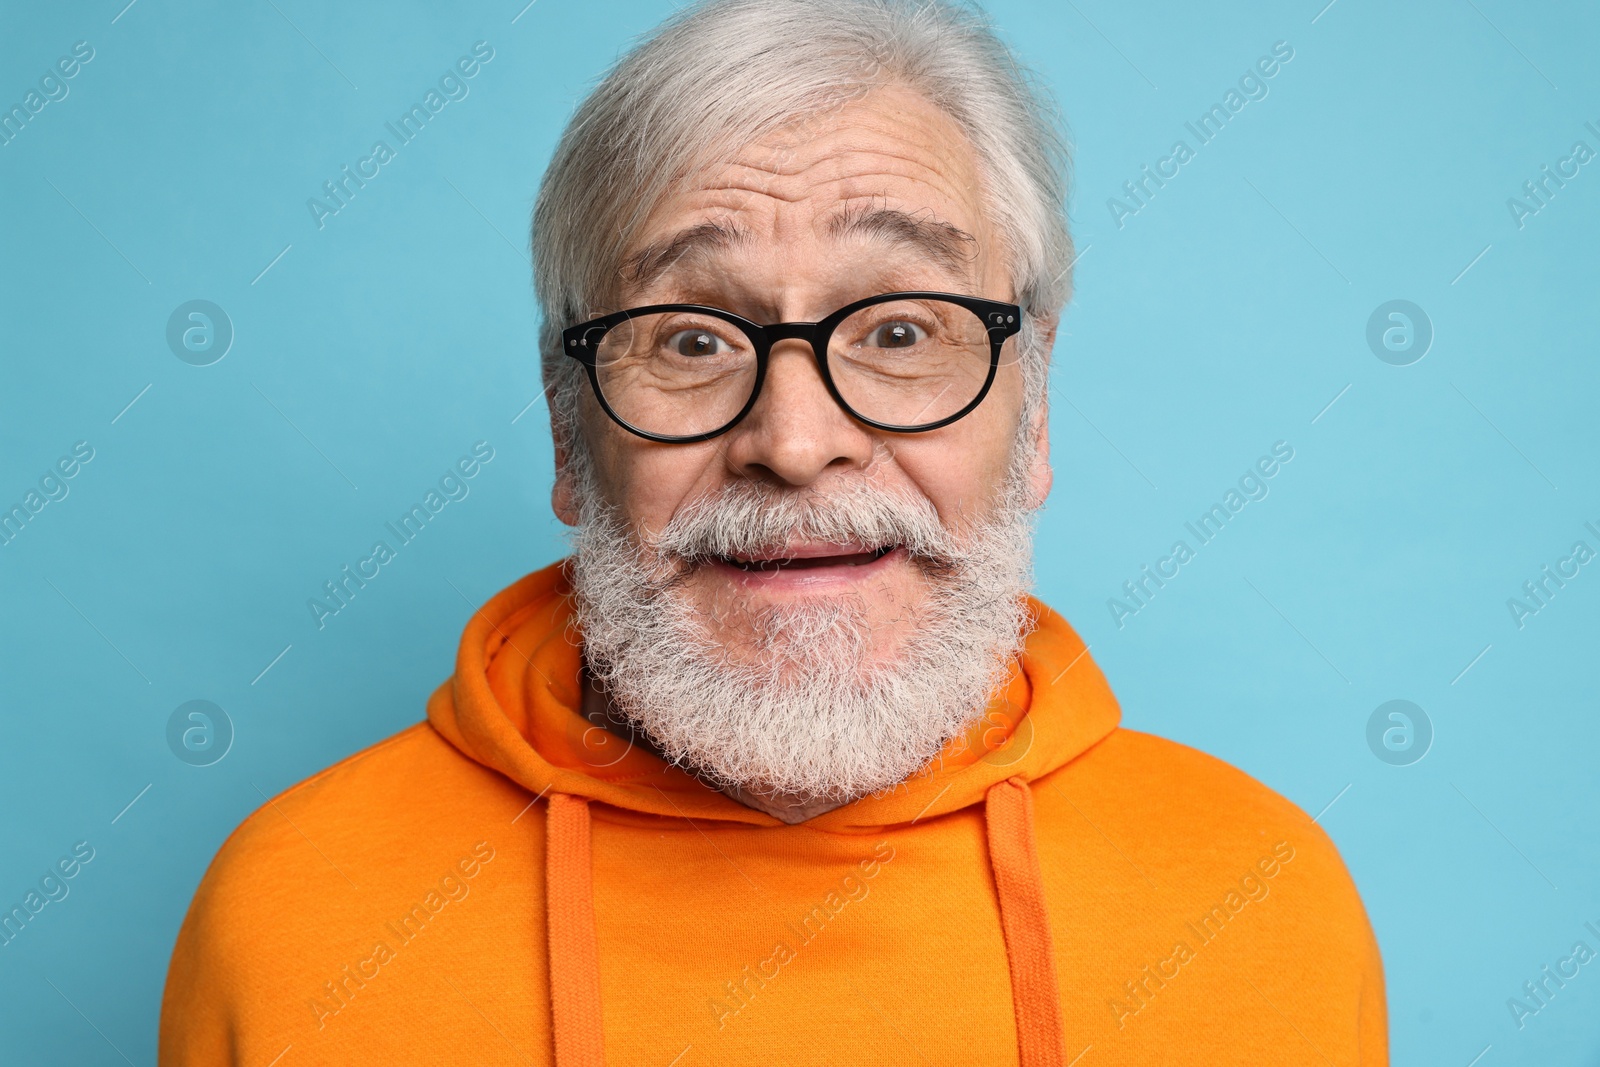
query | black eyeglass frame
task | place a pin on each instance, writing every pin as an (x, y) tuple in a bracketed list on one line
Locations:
[(1002, 321)]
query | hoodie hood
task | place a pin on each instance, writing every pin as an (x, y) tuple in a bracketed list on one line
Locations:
[(515, 703)]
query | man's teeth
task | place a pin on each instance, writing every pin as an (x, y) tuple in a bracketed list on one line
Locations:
[(847, 559)]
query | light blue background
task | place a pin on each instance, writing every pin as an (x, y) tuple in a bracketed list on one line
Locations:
[(1223, 317)]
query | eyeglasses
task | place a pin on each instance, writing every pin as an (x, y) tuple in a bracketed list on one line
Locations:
[(901, 362)]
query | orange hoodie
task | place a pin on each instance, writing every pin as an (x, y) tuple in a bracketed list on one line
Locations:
[(505, 883)]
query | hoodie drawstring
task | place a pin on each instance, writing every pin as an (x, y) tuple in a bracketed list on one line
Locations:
[(574, 953), (1025, 922)]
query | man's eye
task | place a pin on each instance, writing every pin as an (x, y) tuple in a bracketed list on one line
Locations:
[(696, 343), (895, 335)]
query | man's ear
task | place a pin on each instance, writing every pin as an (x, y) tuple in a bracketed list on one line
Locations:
[(1041, 477), (564, 493)]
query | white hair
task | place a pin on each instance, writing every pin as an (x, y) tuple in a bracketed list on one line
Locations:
[(721, 74)]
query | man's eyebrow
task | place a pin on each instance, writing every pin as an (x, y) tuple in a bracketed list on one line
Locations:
[(643, 267), (949, 246)]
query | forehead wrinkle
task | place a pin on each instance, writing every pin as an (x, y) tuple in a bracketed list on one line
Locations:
[(771, 182)]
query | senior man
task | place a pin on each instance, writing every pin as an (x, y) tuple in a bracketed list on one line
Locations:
[(784, 765)]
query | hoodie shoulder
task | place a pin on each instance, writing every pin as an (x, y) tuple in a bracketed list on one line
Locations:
[(1127, 752), (306, 882), (358, 819), (1189, 850), (1187, 807)]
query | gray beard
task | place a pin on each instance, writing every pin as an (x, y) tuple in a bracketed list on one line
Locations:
[(812, 712)]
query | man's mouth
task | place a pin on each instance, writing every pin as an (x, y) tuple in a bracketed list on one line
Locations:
[(807, 557)]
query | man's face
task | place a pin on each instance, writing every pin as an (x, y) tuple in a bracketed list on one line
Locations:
[(879, 196)]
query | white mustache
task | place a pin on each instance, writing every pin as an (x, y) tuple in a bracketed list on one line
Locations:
[(751, 519)]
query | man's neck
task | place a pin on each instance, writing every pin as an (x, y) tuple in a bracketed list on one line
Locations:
[(598, 709), (785, 808)]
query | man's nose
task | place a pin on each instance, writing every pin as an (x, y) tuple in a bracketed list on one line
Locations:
[(796, 432)]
